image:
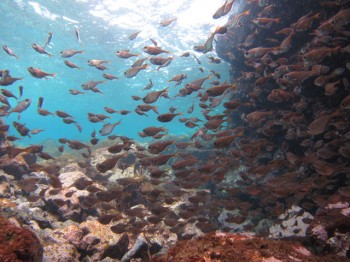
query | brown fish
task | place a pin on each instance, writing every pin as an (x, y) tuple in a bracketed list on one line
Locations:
[(320, 124), (167, 22), (125, 54), (108, 128), (40, 50), (134, 70), (36, 72), (219, 89), (167, 117), (134, 35), (153, 130), (154, 50), (9, 51), (146, 108), (157, 160), (71, 64), (185, 162), (158, 147), (70, 52), (108, 164), (110, 77), (153, 96)]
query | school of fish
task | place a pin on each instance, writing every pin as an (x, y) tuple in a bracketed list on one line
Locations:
[(278, 135)]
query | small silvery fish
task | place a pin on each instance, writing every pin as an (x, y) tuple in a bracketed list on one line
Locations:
[(108, 128)]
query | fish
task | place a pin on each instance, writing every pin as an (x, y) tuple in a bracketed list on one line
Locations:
[(134, 35), (320, 124), (110, 77), (196, 58), (286, 44), (44, 112), (134, 71), (123, 112), (139, 62), (341, 18), (178, 78), (91, 84), (219, 89), (158, 147), (153, 130), (161, 61), (5, 74), (70, 52), (215, 60), (7, 93), (158, 160), (149, 86), (109, 110), (154, 50), (75, 92), (185, 162), (165, 64), (167, 22), (77, 35), (38, 73), (153, 96), (36, 131), (220, 11), (70, 64), (331, 88), (40, 50), (315, 56), (116, 148), (208, 45), (190, 109), (9, 51), (48, 40), (77, 145), (167, 117), (6, 81), (21, 106), (109, 163), (125, 54), (147, 107), (234, 21), (266, 22), (345, 103), (259, 52), (97, 62), (108, 128), (62, 114), (306, 23), (21, 128)]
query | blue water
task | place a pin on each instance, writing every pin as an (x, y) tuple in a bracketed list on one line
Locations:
[(104, 28)]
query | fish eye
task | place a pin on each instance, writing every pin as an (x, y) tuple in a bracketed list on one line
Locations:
[(285, 76), (246, 53), (304, 57)]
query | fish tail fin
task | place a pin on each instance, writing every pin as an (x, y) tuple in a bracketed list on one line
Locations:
[(278, 20), (247, 12), (317, 16), (155, 110), (53, 75)]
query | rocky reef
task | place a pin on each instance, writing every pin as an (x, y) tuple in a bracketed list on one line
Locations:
[(18, 244), (242, 248)]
